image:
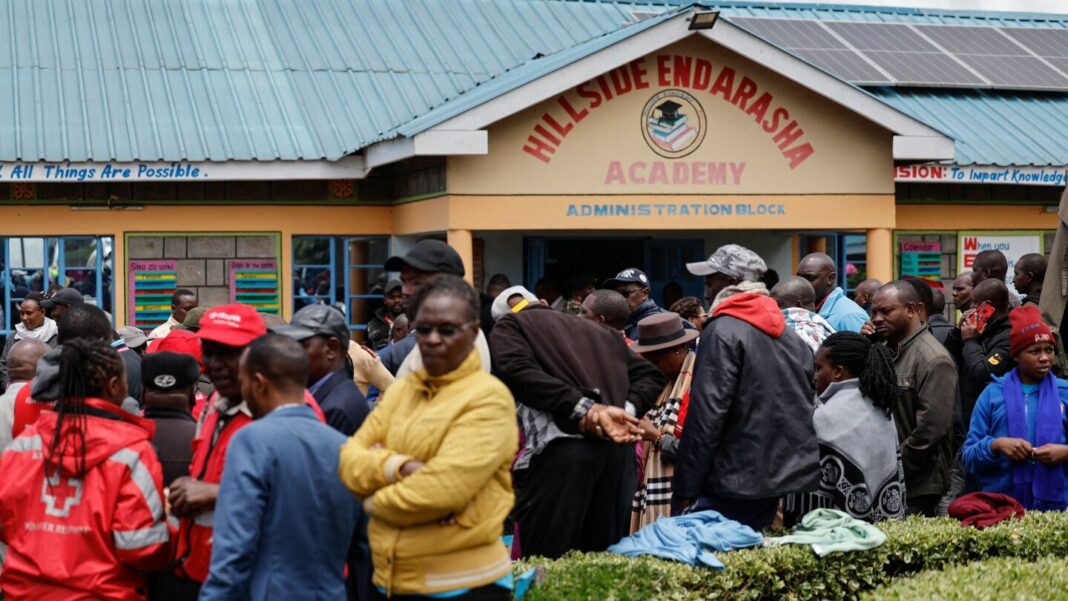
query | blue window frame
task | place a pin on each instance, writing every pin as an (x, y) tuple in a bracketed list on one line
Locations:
[(344, 271), (44, 263)]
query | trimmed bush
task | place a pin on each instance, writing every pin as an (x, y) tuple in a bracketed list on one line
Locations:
[(794, 573), (991, 580)]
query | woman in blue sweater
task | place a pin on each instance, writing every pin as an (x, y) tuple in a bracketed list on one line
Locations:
[(1016, 442)]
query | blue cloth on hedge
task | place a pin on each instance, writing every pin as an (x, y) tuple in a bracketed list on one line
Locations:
[(689, 539), (830, 530), (1036, 486), (995, 472)]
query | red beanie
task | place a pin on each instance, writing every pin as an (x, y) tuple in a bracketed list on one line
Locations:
[(1027, 329)]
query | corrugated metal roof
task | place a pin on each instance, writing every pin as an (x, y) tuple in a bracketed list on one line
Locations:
[(992, 127), (256, 79), (212, 80)]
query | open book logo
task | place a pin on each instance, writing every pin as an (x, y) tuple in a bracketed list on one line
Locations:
[(673, 123)]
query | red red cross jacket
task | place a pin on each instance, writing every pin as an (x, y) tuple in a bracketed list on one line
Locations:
[(71, 538)]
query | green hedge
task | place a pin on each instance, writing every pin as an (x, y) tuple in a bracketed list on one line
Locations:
[(992, 580), (794, 573)]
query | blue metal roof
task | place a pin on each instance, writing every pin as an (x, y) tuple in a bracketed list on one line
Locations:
[(211, 80), (991, 127)]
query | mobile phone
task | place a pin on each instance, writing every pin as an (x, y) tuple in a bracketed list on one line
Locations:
[(982, 315)]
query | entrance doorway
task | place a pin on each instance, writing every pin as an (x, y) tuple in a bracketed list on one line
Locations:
[(558, 260)]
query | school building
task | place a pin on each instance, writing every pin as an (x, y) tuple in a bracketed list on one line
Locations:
[(276, 152)]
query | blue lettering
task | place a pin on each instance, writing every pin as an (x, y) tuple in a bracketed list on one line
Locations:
[(571, 211)]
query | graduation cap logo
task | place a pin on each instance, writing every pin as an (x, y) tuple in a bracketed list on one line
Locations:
[(673, 123)]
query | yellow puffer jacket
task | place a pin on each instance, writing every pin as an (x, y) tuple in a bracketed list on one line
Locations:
[(440, 528)]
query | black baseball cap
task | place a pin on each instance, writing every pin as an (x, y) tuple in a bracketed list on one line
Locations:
[(392, 285), (429, 255), (167, 371), (631, 275), (63, 296), (316, 320)]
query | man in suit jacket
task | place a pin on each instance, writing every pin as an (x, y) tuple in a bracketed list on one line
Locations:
[(324, 334)]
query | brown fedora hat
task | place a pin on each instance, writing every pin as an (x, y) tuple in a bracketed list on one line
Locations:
[(661, 331)]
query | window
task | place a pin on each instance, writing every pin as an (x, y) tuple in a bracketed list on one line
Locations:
[(343, 271), (47, 263)]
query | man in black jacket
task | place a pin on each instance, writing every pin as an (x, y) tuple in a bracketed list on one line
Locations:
[(748, 437), (381, 325), (322, 331), (983, 353), (578, 389), (633, 284)]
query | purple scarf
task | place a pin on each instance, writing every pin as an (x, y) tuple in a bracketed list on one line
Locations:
[(1038, 486)]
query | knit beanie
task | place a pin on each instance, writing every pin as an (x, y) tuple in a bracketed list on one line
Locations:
[(1027, 329)]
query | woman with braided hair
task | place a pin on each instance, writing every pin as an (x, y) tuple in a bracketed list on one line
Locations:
[(860, 464), (81, 508)]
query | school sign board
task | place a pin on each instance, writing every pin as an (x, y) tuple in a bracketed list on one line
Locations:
[(1012, 244)]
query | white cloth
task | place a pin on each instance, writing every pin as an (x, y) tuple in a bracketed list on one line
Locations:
[(414, 361), (164, 328), (7, 413), (45, 333)]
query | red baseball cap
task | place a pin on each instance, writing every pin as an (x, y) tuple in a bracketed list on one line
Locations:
[(179, 341), (232, 325)]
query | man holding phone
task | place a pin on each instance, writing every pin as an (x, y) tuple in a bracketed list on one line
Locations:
[(980, 343)]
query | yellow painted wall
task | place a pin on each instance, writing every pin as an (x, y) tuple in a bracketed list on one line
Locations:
[(288, 221), (650, 213), (974, 217), (604, 148)]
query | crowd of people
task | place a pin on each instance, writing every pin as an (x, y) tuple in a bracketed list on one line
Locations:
[(232, 455)]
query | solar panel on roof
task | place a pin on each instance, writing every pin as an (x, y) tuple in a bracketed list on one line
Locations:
[(994, 56), (1047, 43), (924, 68), (1016, 71), (846, 64), (792, 33), (904, 54), (1060, 63), (890, 37), (961, 40), (810, 41)]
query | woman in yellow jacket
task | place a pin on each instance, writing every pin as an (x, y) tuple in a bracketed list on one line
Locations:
[(432, 462)]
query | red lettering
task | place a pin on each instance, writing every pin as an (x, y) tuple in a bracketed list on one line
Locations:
[(553, 123), (798, 154), (658, 174), (682, 71), (901, 172), (717, 174), (788, 135), (601, 83), (545, 134), (736, 171), (638, 73), (576, 116), (702, 74), (773, 123), (620, 81), (663, 71), (971, 243), (635, 172), (539, 149), (615, 174), (759, 108), (724, 83), (592, 95), (681, 173), (745, 92), (697, 173)]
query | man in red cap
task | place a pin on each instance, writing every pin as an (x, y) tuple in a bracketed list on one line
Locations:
[(224, 333)]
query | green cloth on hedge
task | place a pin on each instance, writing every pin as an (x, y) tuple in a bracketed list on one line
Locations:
[(829, 531)]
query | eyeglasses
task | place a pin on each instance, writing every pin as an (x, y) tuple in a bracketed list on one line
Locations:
[(626, 293), (445, 330)]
